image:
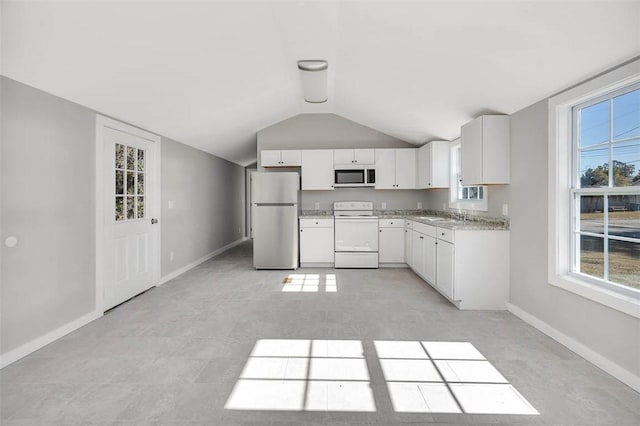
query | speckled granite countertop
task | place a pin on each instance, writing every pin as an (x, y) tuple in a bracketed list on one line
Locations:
[(430, 217)]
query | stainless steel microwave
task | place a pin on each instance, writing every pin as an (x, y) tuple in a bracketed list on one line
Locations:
[(355, 177)]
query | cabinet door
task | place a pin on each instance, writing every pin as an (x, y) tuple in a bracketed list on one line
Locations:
[(439, 163), (471, 152), (391, 245), (317, 169), (269, 158), (316, 245), (343, 156), (364, 156), (290, 158), (424, 166), (408, 244), (429, 253), (385, 168), (445, 278), (406, 168), (417, 253)]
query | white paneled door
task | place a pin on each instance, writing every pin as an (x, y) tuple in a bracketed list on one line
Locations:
[(131, 230)]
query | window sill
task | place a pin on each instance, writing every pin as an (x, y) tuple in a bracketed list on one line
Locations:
[(620, 302)]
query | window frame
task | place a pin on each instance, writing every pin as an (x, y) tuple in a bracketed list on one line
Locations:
[(455, 187), (561, 206)]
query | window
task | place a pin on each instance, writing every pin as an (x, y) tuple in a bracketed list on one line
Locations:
[(129, 176), (593, 191), (464, 197), (606, 188)]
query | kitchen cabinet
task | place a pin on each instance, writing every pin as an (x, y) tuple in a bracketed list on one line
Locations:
[(434, 165), (444, 268), (396, 168), (408, 242), (286, 158), (391, 242), (354, 156), (468, 267), (317, 169), (424, 251), (484, 148), (316, 242)]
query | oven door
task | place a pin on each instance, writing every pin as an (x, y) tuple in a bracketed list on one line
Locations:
[(356, 234)]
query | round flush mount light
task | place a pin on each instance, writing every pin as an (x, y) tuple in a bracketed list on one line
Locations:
[(313, 65), (314, 80)]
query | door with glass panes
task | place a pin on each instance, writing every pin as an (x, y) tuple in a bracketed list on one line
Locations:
[(131, 233)]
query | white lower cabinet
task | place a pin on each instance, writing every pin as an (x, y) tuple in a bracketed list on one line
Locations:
[(444, 268), (391, 242), (469, 267), (408, 242), (316, 242)]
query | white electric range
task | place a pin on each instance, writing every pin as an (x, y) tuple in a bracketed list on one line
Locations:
[(356, 234)]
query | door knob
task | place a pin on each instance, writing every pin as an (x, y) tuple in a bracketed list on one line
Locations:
[(154, 221)]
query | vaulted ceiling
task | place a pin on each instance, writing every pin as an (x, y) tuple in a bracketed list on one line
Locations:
[(210, 74)]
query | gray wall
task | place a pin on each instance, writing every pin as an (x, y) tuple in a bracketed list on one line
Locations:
[(400, 199), (47, 178), (208, 195), (498, 195), (48, 203), (606, 331), (330, 131)]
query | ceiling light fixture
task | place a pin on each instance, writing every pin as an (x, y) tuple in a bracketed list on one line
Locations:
[(314, 80)]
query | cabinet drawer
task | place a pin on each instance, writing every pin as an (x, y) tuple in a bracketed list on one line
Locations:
[(445, 234), (316, 223), (424, 229), (391, 223)]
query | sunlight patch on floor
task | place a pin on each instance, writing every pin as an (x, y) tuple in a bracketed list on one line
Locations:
[(304, 375), (309, 283), (446, 377)]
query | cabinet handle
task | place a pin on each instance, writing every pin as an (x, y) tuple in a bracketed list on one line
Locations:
[(317, 223), (381, 230), (422, 238), (443, 234), (301, 230), (392, 223)]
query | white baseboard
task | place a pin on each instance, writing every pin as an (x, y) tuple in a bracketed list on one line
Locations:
[(39, 342), (620, 373), (195, 263)]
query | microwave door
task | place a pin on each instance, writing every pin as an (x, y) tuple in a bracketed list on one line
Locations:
[(346, 177)]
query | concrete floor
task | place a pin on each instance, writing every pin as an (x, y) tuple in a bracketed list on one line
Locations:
[(174, 354)]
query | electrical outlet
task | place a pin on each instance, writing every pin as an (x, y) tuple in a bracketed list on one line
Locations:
[(384, 205), (419, 205), (171, 256), (505, 209), (317, 206)]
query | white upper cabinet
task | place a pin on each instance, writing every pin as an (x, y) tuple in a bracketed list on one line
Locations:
[(317, 169), (396, 168), (363, 157), (434, 165), (485, 150), (406, 168), (276, 158)]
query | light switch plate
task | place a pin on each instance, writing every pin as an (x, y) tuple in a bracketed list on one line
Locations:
[(384, 205), (505, 209), (171, 204), (317, 206), (419, 205)]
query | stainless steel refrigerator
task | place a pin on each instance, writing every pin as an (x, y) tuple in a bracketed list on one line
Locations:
[(275, 220)]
